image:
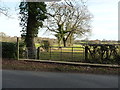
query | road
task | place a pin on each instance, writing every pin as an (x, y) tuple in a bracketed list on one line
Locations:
[(32, 79)]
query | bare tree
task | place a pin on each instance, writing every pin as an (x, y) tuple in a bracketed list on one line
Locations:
[(68, 20), (3, 9), (2, 34)]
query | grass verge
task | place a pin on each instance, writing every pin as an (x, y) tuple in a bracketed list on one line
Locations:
[(52, 67)]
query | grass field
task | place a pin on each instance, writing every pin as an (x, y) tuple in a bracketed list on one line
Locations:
[(37, 45), (75, 45), (63, 54)]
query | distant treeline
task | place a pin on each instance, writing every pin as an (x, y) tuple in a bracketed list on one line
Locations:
[(5, 38), (54, 41), (97, 41)]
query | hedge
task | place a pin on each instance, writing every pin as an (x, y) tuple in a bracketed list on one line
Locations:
[(9, 50)]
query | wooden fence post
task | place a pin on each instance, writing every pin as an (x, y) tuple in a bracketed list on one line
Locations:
[(50, 52), (17, 48), (72, 53), (38, 53), (86, 53)]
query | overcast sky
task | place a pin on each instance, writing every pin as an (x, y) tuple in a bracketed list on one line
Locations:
[(104, 24)]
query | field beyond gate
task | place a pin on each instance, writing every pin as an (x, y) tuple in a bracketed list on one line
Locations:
[(75, 54)]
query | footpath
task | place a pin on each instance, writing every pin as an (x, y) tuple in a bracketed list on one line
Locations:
[(73, 63)]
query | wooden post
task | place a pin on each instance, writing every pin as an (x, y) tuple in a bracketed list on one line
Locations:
[(38, 53), (50, 52), (61, 53), (17, 48), (86, 53), (72, 53)]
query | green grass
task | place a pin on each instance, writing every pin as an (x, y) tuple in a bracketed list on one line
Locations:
[(64, 54), (37, 45), (74, 49), (74, 45)]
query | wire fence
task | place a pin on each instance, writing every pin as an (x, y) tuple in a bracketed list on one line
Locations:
[(75, 54), (86, 53)]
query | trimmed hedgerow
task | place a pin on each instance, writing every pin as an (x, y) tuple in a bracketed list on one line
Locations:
[(9, 50)]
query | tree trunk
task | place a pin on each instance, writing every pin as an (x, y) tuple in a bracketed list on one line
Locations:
[(30, 36), (71, 40), (30, 47), (59, 44), (64, 42)]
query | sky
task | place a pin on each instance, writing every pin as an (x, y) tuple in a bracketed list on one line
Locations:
[(104, 23)]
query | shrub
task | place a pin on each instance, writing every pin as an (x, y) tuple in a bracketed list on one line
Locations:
[(22, 49), (9, 50), (45, 45)]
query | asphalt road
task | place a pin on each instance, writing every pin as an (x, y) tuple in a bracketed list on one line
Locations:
[(31, 79)]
